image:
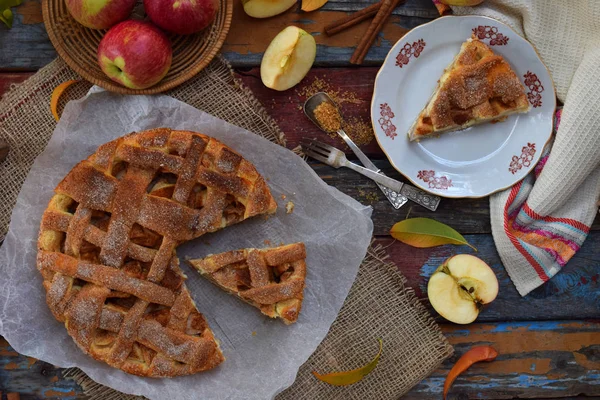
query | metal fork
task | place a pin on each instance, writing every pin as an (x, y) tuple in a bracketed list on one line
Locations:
[(336, 158)]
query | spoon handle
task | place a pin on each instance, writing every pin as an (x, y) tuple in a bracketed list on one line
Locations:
[(397, 199)]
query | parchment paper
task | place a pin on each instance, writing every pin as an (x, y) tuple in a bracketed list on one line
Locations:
[(262, 355)]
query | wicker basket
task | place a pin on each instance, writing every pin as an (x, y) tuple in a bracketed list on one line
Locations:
[(78, 45)]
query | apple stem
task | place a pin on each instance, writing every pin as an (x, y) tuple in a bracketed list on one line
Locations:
[(471, 246)]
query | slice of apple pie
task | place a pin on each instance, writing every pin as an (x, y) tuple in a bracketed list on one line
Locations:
[(271, 280), (477, 87)]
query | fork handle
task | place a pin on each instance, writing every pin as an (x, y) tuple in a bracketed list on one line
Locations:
[(393, 184), (427, 200)]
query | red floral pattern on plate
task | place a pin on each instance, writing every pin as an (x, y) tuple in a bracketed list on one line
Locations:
[(408, 51), (518, 162), (434, 182), (385, 121), (490, 32), (535, 87)]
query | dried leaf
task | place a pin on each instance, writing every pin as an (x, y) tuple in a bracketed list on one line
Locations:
[(350, 377), (311, 5), (425, 232), (6, 16), (476, 354), (58, 91)]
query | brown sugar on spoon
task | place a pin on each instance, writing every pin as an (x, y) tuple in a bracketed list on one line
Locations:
[(328, 116)]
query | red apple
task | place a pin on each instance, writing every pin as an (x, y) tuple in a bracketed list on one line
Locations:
[(135, 54), (100, 14), (182, 16)]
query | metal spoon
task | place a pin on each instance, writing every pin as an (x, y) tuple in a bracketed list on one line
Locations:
[(398, 199)]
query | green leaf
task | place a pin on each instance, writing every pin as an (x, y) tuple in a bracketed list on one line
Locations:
[(6, 16), (425, 232), (350, 377)]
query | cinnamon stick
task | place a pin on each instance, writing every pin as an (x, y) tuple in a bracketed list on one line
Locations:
[(352, 19), (387, 6)]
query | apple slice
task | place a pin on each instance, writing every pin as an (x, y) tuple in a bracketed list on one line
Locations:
[(288, 58), (460, 286), (266, 8)]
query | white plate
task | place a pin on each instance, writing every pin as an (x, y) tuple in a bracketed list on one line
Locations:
[(479, 160)]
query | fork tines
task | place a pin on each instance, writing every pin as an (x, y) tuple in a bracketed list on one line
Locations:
[(319, 150)]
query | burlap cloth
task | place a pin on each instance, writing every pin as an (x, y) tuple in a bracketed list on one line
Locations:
[(379, 304)]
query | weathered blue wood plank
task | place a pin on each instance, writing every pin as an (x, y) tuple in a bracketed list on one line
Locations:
[(411, 8), (26, 46), (465, 215), (331, 56), (536, 359), (574, 293), (32, 378)]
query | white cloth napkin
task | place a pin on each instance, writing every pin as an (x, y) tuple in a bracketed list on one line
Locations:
[(540, 223)]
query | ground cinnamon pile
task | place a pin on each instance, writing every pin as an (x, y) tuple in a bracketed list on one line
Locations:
[(321, 85), (359, 130), (369, 196), (328, 117)]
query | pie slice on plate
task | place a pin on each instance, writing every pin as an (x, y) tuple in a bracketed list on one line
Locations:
[(271, 280), (477, 87), (106, 248)]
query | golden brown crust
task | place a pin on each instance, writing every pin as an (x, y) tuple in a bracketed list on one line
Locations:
[(479, 86), (107, 246), (271, 280)]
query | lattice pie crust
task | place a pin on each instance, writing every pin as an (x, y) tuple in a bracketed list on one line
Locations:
[(271, 280), (107, 246)]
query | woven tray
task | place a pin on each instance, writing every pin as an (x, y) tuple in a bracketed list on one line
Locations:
[(78, 45)]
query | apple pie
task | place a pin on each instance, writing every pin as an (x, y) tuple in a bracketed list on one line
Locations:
[(478, 86), (271, 280), (107, 241)]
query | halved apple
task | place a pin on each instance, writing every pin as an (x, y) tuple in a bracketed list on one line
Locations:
[(288, 58), (266, 8), (460, 286)]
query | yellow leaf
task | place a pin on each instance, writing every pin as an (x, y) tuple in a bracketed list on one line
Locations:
[(58, 91), (425, 232), (350, 377), (312, 5)]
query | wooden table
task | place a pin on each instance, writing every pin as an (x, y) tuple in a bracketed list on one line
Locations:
[(549, 341)]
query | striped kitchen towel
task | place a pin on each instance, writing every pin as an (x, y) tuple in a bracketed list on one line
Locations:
[(541, 222)]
